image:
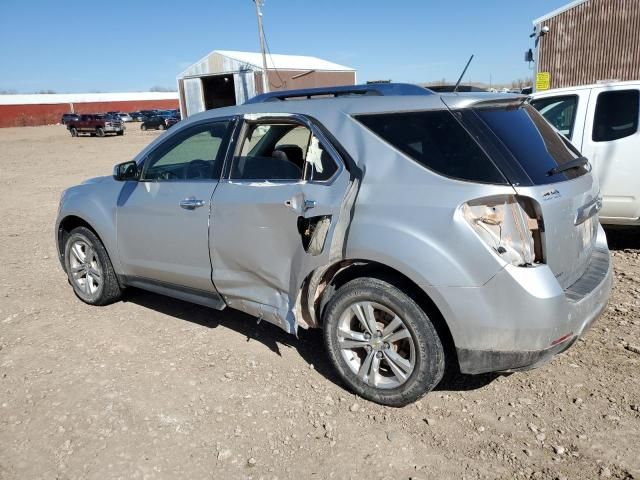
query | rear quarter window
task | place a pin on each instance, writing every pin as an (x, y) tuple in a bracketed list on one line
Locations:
[(437, 141)]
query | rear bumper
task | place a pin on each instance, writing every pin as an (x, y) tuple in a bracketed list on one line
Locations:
[(483, 361), (522, 317)]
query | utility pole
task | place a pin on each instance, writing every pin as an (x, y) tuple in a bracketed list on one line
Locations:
[(265, 81)]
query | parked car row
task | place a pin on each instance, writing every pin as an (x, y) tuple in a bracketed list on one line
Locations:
[(137, 116), (158, 122), (113, 122)]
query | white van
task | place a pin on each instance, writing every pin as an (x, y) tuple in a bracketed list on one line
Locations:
[(602, 122)]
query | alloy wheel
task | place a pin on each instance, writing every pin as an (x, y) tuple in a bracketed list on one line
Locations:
[(85, 268), (376, 345)]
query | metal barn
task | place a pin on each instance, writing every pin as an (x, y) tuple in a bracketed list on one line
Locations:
[(588, 41), (224, 78)]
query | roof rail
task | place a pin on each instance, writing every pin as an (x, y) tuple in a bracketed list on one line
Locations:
[(381, 89)]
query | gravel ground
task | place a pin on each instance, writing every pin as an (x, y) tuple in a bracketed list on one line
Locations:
[(155, 388)]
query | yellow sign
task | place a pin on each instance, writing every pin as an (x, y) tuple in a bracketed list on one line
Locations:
[(543, 81)]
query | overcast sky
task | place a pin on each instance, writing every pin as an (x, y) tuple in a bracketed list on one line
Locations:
[(75, 46)]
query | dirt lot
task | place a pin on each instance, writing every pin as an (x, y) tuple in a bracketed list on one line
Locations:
[(156, 388)]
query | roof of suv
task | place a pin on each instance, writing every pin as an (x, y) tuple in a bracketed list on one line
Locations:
[(354, 104)]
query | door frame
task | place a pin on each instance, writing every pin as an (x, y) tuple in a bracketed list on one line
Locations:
[(284, 317)]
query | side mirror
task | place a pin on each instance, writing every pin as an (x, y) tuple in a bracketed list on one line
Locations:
[(126, 171)]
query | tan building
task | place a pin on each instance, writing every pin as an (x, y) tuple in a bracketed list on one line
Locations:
[(224, 78), (589, 41)]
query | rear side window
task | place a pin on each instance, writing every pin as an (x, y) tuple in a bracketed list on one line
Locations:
[(559, 112), (616, 115), (437, 141), (534, 143)]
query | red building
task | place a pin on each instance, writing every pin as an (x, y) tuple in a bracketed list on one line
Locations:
[(46, 109)]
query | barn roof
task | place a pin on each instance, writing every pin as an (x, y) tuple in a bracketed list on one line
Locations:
[(253, 60)]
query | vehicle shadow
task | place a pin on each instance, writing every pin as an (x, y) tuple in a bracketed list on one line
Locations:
[(309, 343), (622, 238)]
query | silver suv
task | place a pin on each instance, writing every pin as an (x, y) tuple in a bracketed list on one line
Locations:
[(418, 230)]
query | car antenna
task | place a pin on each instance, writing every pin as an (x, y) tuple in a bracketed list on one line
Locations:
[(462, 75)]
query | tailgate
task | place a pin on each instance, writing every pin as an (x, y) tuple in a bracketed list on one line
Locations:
[(570, 224), (543, 165)]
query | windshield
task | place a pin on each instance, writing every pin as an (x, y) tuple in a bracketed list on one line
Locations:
[(533, 142)]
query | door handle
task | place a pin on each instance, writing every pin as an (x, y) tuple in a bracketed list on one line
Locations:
[(191, 203), (308, 205)]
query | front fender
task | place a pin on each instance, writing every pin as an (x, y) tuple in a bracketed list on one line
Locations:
[(95, 203)]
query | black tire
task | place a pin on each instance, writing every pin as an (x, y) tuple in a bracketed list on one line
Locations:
[(108, 291), (100, 132), (161, 126), (429, 356), (73, 131), (120, 133), (143, 127)]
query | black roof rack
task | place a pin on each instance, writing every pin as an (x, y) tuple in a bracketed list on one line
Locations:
[(379, 89)]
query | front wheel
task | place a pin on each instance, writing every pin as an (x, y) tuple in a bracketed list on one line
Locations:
[(161, 126), (100, 132), (382, 344), (143, 127), (74, 131), (89, 268), (120, 133)]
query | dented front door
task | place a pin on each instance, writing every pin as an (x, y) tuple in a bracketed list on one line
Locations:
[(268, 234)]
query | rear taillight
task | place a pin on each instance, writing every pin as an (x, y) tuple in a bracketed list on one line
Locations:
[(509, 225)]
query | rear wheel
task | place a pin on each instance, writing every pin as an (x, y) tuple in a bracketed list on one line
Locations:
[(74, 132), (89, 268), (381, 343), (100, 131)]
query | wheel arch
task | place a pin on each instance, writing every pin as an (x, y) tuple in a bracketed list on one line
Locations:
[(320, 286), (66, 226)]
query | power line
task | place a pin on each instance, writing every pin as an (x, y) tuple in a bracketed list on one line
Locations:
[(283, 83)]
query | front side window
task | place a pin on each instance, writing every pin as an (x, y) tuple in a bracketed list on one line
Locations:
[(616, 115), (559, 112), (195, 154), (283, 152)]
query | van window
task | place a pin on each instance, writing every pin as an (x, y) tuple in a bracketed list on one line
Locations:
[(436, 141), (616, 115), (559, 112)]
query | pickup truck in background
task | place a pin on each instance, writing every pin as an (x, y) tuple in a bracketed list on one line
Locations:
[(603, 122), (98, 125)]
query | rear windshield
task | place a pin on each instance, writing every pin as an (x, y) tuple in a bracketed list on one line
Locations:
[(536, 146), (437, 141)]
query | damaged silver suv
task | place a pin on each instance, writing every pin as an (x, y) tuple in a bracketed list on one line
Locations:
[(418, 230)]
